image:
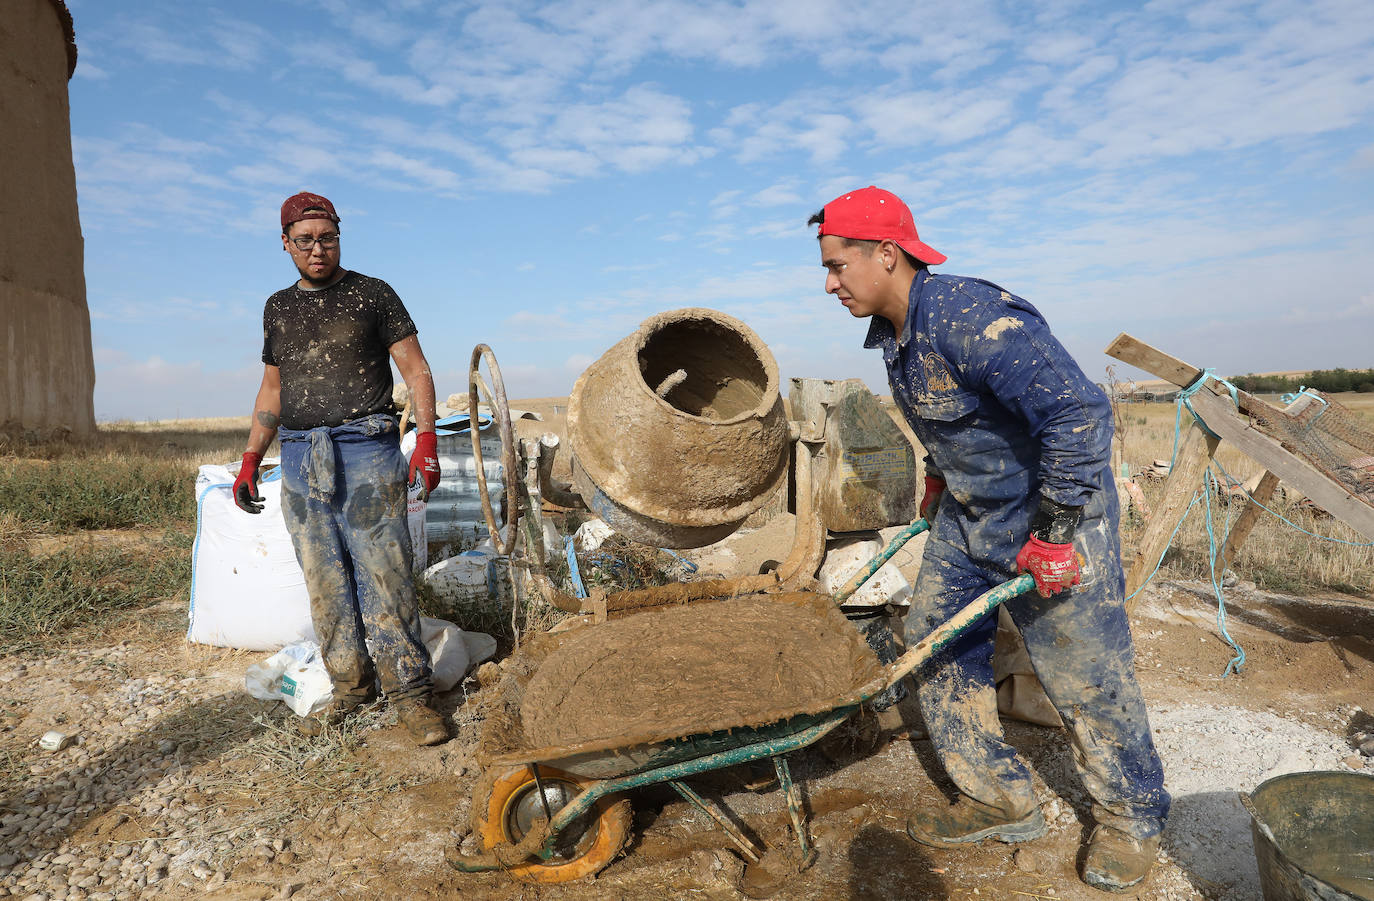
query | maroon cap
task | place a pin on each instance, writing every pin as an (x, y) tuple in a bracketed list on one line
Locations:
[(872, 214), (298, 207)]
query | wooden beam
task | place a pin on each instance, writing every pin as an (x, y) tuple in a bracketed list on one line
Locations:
[(1247, 519), (1130, 349), (1185, 480), (1221, 417)]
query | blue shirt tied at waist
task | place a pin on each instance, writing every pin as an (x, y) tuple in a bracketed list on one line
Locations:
[(1000, 406), (319, 460)]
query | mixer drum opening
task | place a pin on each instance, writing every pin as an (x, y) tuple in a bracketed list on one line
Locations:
[(724, 377), (678, 432)]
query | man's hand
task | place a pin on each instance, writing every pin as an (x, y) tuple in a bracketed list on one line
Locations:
[(1054, 566), (424, 462), (246, 485), (1049, 554), (930, 501)]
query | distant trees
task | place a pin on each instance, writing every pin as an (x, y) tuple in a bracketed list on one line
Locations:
[(1327, 380)]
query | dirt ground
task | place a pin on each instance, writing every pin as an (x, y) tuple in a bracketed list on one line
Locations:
[(173, 787)]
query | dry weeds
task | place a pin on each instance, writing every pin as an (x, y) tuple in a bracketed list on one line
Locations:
[(1276, 555)]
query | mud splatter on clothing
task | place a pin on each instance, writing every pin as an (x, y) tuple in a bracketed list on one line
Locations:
[(1010, 416), (332, 348), (344, 500), (1004, 419), (1079, 643)]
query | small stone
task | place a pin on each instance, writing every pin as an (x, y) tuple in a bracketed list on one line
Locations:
[(215, 881), (289, 888), (1025, 860), (1367, 747), (1354, 761), (166, 746)]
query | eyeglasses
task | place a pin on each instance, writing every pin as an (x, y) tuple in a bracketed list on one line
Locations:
[(306, 242)]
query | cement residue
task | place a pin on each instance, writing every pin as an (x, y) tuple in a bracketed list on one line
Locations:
[(700, 668)]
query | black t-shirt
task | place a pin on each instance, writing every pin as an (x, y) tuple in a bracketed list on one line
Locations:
[(332, 348)]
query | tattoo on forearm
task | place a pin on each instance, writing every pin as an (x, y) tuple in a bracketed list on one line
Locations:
[(267, 419)]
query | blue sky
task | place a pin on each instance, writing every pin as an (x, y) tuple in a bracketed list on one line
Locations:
[(543, 176)]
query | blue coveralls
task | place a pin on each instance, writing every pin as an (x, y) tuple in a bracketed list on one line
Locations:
[(1006, 415), (344, 501)]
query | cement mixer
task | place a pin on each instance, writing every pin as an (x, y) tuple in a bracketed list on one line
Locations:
[(678, 433)]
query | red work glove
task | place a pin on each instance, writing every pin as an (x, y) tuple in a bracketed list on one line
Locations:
[(424, 462), (246, 485), (1054, 566), (930, 501)]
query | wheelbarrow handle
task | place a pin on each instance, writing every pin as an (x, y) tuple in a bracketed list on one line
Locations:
[(948, 632), (863, 575)]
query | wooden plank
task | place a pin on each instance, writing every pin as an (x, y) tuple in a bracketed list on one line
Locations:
[(1247, 519), (1130, 349), (1221, 417), (1185, 480)]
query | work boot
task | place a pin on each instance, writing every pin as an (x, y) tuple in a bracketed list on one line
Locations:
[(1117, 861), (331, 715), (425, 725), (967, 820)]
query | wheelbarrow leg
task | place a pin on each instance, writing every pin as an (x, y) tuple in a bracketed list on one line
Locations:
[(746, 847), (794, 809)]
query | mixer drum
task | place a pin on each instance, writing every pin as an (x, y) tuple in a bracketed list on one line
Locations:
[(678, 432)]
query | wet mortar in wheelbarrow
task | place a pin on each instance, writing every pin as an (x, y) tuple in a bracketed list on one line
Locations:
[(587, 715)]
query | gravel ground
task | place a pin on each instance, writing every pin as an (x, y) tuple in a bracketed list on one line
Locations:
[(180, 785)]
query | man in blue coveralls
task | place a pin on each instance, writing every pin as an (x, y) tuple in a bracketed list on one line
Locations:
[(1017, 479), (328, 343)]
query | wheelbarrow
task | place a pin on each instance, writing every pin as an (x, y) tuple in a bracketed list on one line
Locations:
[(557, 813)]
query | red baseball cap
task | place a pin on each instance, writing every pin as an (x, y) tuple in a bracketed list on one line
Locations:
[(872, 214), (298, 207)]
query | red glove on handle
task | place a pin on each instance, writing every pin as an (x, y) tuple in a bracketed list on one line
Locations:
[(424, 462), (930, 501), (246, 485), (1054, 566)]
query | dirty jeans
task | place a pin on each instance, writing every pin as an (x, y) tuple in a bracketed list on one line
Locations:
[(1080, 646), (344, 501)]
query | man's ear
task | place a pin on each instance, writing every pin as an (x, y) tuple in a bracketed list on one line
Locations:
[(889, 253), (284, 239)]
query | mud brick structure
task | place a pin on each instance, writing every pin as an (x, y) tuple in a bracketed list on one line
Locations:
[(47, 374)]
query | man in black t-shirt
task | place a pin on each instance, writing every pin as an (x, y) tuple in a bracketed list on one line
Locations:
[(328, 344)]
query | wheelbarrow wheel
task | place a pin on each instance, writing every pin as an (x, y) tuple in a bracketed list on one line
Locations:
[(512, 807)]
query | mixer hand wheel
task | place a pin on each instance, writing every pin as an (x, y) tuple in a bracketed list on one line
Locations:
[(494, 396)]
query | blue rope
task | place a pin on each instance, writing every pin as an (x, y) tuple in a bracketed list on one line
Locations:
[(1184, 396), (688, 566), (1212, 551), (1172, 536), (1185, 400), (1279, 516), (573, 573), (1304, 390)]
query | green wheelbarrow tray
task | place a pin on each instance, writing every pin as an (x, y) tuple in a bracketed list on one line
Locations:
[(609, 766)]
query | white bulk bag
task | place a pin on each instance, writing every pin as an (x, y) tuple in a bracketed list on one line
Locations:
[(247, 590)]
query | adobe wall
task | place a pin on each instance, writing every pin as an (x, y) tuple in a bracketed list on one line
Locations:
[(47, 374)]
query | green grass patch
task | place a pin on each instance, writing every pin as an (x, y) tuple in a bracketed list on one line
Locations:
[(46, 599), (72, 495)]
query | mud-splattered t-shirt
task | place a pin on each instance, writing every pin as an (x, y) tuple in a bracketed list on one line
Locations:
[(332, 348)]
